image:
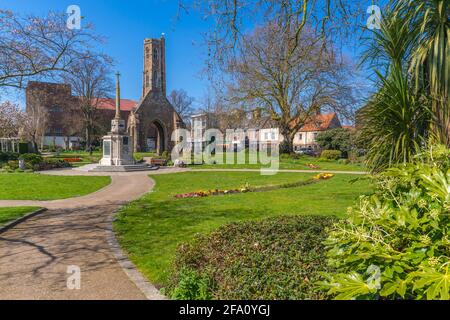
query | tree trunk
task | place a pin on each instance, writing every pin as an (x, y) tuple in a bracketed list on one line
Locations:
[(88, 137), (287, 146), (67, 142)]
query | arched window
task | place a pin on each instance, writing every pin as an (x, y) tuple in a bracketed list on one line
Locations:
[(155, 54), (155, 79)]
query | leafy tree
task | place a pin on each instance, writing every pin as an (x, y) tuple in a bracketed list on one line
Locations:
[(430, 57), (396, 119), (337, 139)]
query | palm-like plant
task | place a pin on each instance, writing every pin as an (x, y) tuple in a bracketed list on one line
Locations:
[(395, 119), (430, 59)]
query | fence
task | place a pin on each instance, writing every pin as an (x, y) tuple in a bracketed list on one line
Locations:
[(9, 145)]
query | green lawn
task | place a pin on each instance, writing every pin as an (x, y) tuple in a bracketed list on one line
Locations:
[(287, 162), (95, 157), (25, 186), (151, 228), (11, 214)]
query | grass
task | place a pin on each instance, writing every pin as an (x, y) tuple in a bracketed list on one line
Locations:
[(86, 158), (287, 162), (25, 186), (150, 229), (11, 214)]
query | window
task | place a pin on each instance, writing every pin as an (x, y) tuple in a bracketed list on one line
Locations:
[(155, 79), (266, 136), (56, 109), (155, 54), (300, 136), (57, 131), (273, 135)]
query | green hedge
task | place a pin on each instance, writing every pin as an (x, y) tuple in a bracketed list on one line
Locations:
[(33, 162), (275, 258), (331, 154)]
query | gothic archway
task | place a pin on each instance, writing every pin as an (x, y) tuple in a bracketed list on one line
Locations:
[(156, 138)]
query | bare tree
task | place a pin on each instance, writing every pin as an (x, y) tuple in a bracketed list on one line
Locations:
[(33, 47), (11, 117), (34, 125), (182, 103), (291, 87), (334, 20), (91, 82), (73, 124)]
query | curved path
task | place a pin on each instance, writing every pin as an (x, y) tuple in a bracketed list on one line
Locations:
[(35, 255)]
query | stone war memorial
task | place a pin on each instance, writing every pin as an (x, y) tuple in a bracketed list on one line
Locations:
[(148, 122), (117, 145)]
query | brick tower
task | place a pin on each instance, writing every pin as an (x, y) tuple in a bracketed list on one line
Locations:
[(154, 77)]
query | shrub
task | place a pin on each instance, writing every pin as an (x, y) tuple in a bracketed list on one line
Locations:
[(276, 258), (166, 155), (49, 164), (337, 139), (32, 158), (192, 286), (331, 154), (13, 165), (344, 161), (8, 156), (396, 243)]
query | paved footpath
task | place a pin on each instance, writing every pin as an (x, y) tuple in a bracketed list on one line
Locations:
[(35, 255)]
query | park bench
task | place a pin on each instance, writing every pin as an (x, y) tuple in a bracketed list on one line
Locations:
[(155, 161)]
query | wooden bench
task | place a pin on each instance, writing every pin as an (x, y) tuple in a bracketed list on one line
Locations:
[(155, 161)]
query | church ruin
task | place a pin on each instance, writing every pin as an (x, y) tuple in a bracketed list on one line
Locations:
[(150, 122), (153, 120)]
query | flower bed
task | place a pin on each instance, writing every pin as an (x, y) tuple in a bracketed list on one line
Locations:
[(247, 188), (324, 176), (71, 160), (202, 194)]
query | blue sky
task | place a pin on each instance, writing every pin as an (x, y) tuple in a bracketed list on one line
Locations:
[(125, 24)]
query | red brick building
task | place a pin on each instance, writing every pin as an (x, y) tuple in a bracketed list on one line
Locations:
[(150, 122), (60, 115)]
